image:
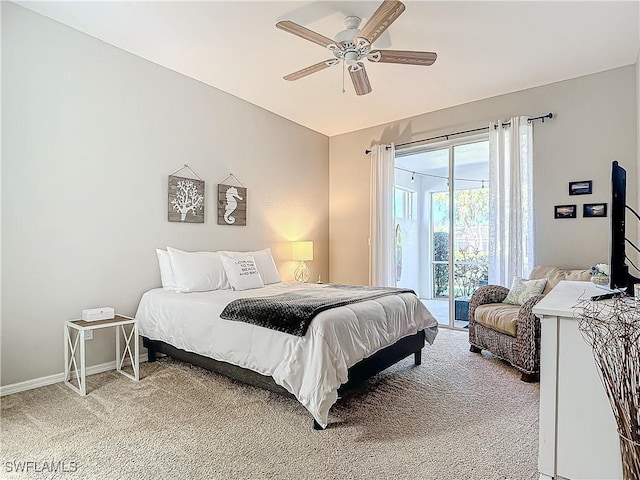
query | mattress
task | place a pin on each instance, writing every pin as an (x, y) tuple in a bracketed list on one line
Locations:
[(311, 367)]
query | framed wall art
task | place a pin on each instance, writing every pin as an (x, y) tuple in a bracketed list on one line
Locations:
[(583, 187), (594, 210), (186, 200), (564, 211), (232, 205)]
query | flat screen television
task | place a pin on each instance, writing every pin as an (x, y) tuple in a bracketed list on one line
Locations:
[(619, 276)]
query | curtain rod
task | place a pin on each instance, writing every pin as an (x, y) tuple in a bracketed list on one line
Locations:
[(447, 135)]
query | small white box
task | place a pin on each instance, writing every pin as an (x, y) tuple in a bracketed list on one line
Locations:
[(100, 313)]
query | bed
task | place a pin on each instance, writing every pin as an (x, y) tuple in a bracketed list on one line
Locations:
[(230, 312), (342, 346)]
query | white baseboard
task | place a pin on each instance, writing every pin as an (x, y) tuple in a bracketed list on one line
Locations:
[(59, 377)]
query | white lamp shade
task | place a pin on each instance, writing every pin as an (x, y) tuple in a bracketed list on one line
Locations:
[(302, 251)]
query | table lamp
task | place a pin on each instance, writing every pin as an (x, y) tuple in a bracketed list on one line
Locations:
[(302, 251)]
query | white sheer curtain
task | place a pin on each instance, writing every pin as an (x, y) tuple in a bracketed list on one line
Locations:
[(511, 201), (381, 233)]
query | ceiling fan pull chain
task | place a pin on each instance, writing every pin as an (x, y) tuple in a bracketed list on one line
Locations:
[(343, 90)]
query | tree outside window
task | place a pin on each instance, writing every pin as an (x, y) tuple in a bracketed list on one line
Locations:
[(471, 233)]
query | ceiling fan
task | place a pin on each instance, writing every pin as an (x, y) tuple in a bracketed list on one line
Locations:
[(353, 45)]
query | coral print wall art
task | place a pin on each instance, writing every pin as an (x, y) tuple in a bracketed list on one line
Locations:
[(186, 200), (232, 205)]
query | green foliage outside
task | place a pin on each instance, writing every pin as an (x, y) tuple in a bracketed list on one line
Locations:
[(467, 277), (471, 220), (441, 271)]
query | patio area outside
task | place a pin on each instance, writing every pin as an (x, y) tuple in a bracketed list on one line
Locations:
[(439, 308)]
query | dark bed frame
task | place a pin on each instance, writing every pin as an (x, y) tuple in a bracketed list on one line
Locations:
[(358, 374)]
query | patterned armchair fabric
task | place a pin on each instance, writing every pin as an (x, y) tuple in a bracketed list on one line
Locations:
[(522, 350)]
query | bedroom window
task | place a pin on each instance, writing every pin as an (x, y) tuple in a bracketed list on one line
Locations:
[(404, 203)]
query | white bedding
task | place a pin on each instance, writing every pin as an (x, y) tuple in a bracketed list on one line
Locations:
[(311, 367)]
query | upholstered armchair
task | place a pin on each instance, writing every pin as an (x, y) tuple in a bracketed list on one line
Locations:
[(512, 332)]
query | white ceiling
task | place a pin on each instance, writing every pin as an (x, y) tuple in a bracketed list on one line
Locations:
[(484, 49)]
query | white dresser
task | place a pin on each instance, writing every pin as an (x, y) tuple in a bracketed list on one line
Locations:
[(578, 436)]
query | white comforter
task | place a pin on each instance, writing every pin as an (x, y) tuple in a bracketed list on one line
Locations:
[(311, 367)]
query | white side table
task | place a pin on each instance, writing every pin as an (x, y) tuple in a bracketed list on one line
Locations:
[(74, 348)]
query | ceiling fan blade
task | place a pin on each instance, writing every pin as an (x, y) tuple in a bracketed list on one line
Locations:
[(360, 79), (384, 16), (312, 69), (305, 33), (403, 56)]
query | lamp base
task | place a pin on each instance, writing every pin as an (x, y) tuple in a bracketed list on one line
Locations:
[(302, 273)]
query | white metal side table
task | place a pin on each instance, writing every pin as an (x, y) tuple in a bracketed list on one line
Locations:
[(74, 348)]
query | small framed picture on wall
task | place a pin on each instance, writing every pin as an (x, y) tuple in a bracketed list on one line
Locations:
[(564, 211), (594, 210), (583, 187)]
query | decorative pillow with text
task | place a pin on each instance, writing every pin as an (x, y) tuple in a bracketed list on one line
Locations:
[(264, 262), (242, 272)]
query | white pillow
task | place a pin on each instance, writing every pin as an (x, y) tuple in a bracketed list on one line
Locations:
[(166, 272), (197, 271), (522, 290), (264, 262), (242, 272)]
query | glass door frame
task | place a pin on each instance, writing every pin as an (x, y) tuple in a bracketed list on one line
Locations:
[(450, 146)]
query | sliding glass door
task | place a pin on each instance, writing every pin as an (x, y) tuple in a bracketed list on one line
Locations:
[(443, 251), (470, 225)]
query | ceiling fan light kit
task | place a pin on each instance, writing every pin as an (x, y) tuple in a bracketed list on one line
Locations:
[(352, 45)]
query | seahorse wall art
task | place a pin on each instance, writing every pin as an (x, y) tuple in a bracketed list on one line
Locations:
[(232, 205)]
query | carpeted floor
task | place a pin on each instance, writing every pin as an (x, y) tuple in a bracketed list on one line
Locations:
[(457, 416)]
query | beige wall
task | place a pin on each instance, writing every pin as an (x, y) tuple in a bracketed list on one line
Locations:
[(90, 134), (595, 122)]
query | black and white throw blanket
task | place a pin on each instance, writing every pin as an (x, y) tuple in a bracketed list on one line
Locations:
[(292, 312)]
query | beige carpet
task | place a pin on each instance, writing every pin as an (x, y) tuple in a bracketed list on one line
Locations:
[(457, 416)]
